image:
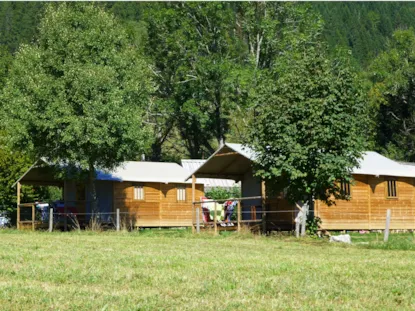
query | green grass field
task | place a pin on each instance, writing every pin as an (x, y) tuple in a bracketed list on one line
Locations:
[(174, 270)]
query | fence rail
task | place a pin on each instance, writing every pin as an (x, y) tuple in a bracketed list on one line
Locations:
[(211, 214)]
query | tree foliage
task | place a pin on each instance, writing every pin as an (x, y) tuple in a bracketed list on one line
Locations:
[(392, 97), (308, 130), (79, 93), (196, 55), (12, 166), (268, 29), (219, 193), (364, 27)]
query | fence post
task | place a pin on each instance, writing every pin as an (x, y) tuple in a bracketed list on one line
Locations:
[(50, 219), (193, 217), (239, 215), (18, 206), (33, 217), (65, 217), (118, 219), (214, 219), (388, 221), (264, 207), (197, 219), (304, 219), (297, 225), (193, 202)]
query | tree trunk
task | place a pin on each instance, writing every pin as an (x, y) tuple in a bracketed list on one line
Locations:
[(219, 122), (156, 151), (91, 177), (307, 207)]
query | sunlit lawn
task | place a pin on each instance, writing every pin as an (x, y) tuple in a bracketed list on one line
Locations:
[(178, 271)]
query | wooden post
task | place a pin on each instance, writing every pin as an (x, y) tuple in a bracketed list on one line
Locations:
[(118, 220), (18, 205), (193, 200), (264, 206), (197, 219), (193, 218), (369, 203), (33, 217), (304, 218), (65, 218), (50, 219), (299, 217), (215, 213), (239, 215), (297, 225), (253, 212), (388, 221)]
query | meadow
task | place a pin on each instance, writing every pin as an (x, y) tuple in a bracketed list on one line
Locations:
[(174, 270)]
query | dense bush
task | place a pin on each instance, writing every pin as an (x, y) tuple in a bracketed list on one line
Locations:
[(217, 193)]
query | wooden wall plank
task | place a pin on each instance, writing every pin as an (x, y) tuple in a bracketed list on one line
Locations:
[(160, 207), (370, 213)]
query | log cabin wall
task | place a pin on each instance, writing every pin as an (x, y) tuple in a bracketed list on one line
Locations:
[(160, 206), (367, 206)]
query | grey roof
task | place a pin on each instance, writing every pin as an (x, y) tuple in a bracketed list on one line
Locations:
[(193, 164), (376, 164), (372, 163), (164, 172), (134, 171)]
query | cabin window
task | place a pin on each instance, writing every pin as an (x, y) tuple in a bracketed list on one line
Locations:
[(181, 193), (345, 188), (138, 192), (392, 193)]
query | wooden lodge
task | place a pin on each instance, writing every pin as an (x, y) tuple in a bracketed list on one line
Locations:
[(148, 194), (379, 184)]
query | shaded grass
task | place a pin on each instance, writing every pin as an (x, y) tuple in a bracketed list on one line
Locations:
[(174, 270)]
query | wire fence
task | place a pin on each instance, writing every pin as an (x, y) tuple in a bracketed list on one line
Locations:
[(281, 216), (213, 214)]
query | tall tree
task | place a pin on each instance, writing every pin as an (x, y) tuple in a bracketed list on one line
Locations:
[(196, 55), (308, 126), (269, 30), (393, 97), (12, 166), (79, 93), (5, 61)]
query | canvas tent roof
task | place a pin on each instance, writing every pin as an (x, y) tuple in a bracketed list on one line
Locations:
[(191, 165), (233, 160), (40, 173), (230, 161)]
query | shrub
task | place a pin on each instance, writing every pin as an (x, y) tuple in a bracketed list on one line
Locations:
[(218, 193)]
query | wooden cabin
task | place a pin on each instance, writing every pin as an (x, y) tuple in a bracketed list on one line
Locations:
[(148, 194), (379, 184)]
